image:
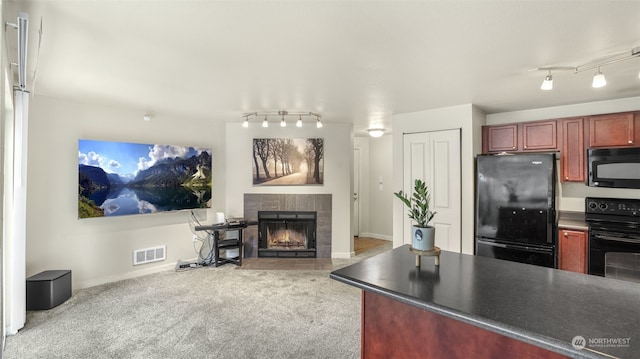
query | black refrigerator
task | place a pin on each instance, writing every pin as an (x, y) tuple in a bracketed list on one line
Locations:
[(515, 208)]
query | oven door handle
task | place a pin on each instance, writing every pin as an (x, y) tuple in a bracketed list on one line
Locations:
[(616, 239)]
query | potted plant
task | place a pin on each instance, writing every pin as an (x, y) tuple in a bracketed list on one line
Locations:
[(422, 234)]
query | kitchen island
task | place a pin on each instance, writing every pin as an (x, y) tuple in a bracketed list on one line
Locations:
[(481, 307)]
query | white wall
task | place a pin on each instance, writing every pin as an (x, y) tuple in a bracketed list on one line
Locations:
[(338, 175), (100, 250), (469, 119), (571, 195)]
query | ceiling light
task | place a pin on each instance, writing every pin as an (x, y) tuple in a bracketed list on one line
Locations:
[(598, 80), (283, 114), (147, 118), (547, 84), (376, 132)]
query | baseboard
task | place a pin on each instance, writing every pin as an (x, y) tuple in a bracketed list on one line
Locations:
[(377, 236), (134, 274), (343, 255)]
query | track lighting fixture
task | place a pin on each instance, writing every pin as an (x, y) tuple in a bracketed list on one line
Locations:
[(598, 79), (282, 114), (547, 84)]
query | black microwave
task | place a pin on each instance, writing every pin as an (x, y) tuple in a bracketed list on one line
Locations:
[(614, 167)]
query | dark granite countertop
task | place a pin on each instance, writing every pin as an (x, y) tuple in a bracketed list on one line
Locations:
[(538, 305)]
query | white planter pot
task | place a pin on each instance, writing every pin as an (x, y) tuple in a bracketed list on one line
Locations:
[(423, 239)]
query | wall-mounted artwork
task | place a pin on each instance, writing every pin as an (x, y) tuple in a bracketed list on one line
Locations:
[(119, 178), (288, 162)]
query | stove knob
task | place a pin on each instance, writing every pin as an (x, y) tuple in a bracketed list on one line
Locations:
[(603, 206), (593, 205)]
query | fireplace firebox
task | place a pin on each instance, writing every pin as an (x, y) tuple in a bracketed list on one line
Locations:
[(287, 234)]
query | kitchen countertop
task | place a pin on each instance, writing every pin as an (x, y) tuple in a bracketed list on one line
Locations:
[(542, 306), (572, 220)]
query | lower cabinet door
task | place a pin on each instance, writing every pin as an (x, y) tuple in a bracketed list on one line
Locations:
[(572, 250)]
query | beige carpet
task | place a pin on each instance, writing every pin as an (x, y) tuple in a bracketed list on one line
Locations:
[(202, 313)]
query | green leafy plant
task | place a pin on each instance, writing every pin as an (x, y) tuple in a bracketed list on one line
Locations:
[(418, 203)]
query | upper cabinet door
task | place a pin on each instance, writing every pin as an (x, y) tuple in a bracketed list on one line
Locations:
[(612, 130), (540, 135), (572, 153), (501, 138)]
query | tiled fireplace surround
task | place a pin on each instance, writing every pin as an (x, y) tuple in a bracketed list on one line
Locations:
[(320, 203)]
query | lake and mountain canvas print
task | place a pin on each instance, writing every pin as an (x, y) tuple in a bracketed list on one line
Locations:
[(120, 178)]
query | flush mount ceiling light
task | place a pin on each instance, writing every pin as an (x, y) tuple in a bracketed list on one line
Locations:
[(282, 114), (147, 118), (598, 79), (376, 132)]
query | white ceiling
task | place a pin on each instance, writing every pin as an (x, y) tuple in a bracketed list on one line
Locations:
[(358, 62)]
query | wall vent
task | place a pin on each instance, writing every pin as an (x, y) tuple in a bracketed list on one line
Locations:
[(147, 255)]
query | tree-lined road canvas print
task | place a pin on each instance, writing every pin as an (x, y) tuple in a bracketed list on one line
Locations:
[(287, 162), (120, 178)]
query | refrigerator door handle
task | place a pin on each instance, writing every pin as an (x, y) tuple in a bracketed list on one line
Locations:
[(517, 247)]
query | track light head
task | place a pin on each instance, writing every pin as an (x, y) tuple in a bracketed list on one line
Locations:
[(264, 122), (299, 122), (547, 84), (599, 80)]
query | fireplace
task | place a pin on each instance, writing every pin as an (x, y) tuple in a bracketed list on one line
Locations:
[(287, 234)]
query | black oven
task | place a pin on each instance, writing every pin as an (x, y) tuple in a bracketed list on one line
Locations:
[(614, 167), (614, 237)]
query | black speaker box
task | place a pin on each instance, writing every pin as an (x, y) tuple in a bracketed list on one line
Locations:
[(48, 289)]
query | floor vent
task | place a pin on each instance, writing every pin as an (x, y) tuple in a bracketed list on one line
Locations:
[(147, 255)]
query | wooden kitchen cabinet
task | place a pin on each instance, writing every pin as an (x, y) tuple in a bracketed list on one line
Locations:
[(614, 130), (503, 138), (539, 135), (572, 154), (520, 137), (572, 250)]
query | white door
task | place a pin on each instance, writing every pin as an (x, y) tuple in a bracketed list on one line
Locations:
[(434, 157), (356, 192)]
